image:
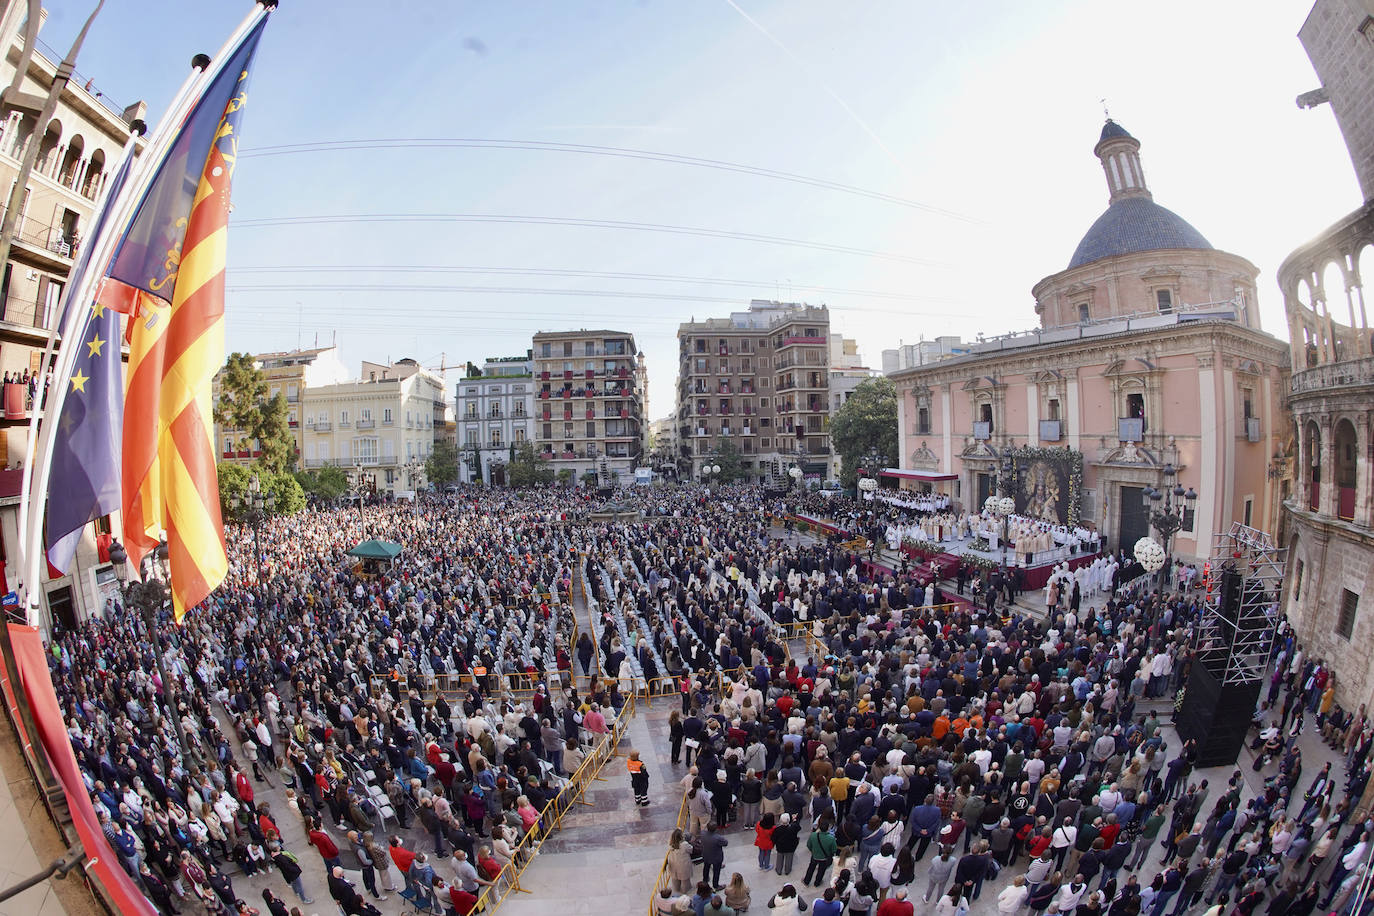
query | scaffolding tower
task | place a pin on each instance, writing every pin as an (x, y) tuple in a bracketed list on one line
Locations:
[(1243, 578)]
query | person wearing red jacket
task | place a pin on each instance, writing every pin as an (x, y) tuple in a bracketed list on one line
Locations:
[(402, 858), (322, 842), (896, 904)]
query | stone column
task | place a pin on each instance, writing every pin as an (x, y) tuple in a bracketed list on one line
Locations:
[(1302, 476), (1364, 472), (1327, 498)]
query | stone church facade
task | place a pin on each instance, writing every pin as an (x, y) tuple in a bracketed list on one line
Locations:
[(1149, 353)]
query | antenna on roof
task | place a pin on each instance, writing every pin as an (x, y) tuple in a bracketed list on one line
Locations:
[(1105, 113)]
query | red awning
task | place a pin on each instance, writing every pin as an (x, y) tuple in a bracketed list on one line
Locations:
[(927, 476)]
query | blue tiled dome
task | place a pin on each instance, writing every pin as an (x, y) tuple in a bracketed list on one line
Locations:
[(1113, 129), (1135, 224)]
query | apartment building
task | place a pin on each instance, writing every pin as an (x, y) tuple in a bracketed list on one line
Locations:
[(758, 380), (77, 152), (592, 401), (495, 415), (288, 373), (847, 372), (382, 426)]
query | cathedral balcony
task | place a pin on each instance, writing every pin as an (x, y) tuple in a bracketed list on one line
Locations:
[(1346, 374)]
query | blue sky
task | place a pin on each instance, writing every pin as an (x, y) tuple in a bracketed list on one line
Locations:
[(983, 114)]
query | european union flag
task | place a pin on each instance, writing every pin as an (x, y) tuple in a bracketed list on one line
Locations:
[(84, 482)]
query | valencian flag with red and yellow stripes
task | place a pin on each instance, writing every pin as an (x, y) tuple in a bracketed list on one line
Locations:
[(168, 276)]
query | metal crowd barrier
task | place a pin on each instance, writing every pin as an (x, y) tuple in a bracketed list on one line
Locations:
[(663, 880), (507, 881)]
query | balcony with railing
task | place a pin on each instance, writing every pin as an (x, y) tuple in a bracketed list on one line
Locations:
[(366, 424), (57, 245), (1348, 374)]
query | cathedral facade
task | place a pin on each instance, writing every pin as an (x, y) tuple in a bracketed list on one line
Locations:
[(1149, 369)]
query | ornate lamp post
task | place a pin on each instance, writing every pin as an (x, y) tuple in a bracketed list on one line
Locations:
[(149, 596), (795, 472), (358, 476), (253, 508), (709, 471), (1167, 508), (414, 470)]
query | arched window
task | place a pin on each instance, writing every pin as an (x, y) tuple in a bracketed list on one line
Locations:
[(71, 162), (95, 175)]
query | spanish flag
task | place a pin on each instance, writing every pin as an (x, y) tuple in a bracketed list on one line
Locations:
[(168, 276)]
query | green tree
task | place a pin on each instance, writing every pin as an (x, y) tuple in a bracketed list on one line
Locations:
[(731, 461), (527, 469), (441, 467), (244, 407), (287, 496), (327, 484), (866, 422), (565, 477), (233, 487)]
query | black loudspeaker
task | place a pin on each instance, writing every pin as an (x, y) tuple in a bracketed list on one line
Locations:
[(1216, 716), (1229, 605)]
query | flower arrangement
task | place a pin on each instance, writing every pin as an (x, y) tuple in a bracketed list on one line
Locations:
[(1149, 554), (979, 544)]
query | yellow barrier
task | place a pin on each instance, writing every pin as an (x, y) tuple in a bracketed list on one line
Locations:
[(662, 881), (507, 881)]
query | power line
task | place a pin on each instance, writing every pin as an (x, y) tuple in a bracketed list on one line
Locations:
[(589, 274), (509, 290), (587, 149), (576, 222)]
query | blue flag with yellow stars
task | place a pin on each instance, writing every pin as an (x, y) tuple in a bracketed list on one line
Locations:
[(84, 481)]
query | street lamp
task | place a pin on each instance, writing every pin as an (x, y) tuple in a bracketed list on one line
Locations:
[(253, 508), (795, 473), (414, 468), (1168, 508), (358, 475), (708, 471), (149, 597)]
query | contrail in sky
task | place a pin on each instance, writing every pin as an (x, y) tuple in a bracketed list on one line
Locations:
[(801, 65)]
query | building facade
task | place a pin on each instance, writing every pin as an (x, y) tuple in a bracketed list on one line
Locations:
[(380, 427), (847, 372), (592, 403), (760, 381), (79, 149), (1329, 518), (288, 373), (1149, 354), (495, 416)]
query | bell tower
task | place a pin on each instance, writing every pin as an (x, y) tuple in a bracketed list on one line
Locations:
[(1119, 153)]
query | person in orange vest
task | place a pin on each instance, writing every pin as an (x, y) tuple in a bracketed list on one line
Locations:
[(639, 779)]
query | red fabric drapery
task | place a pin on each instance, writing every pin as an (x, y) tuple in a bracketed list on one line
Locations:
[(101, 861)]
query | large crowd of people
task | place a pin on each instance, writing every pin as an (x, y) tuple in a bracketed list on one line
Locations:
[(1020, 752), (986, 742)]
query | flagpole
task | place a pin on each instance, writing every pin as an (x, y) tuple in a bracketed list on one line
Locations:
[(37, 471), (81, 268)]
